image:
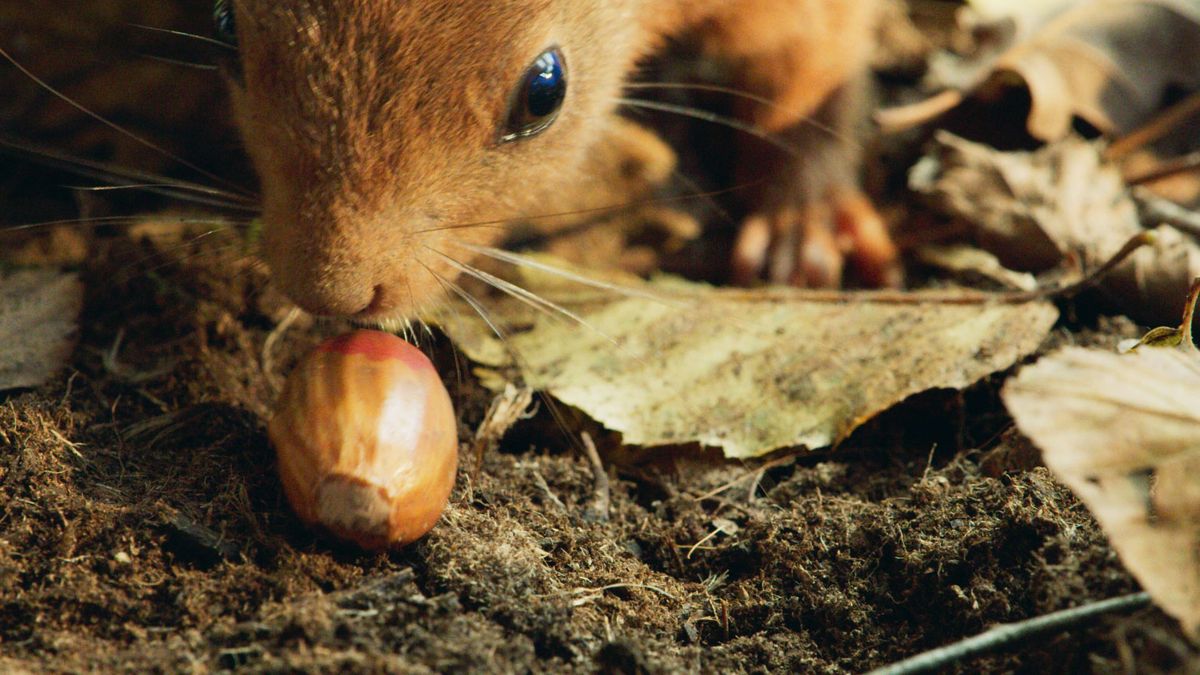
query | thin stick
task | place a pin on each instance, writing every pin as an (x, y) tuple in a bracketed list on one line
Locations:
[(954, 298), (1132, 246), (1167, 169), (902, 118), (1189, 316), (1005, 635), (545, 488), (1160, 126), (758, 471), (267, 358), (1155, 209), (596, 510)]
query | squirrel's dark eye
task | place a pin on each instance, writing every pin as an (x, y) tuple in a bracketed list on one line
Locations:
[(225, 23), (539, 97)]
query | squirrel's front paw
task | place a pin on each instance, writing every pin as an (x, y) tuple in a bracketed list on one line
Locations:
[(809, 244)]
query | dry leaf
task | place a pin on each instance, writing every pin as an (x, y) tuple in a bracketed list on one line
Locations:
[(1108, 62), (39, 311), (511, 405), (748, 372), (1123, 431), (1036, 209), (968, 261), (1027, 15)]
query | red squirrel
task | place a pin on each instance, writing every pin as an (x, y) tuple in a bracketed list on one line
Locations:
[(389, 133)]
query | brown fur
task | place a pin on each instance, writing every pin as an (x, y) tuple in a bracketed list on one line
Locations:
[(374, 123)]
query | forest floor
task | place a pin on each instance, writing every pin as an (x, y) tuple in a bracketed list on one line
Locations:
[(143, 527)]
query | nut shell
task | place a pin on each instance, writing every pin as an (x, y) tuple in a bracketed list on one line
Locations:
[(367, 440)]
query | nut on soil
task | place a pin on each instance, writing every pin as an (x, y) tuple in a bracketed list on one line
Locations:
[(367, 440)]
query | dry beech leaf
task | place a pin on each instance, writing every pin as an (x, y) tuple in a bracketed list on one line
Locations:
[(1123, 431), (988, 30), (746, 371), (39, 314), (1108, 62), (1063, 201)]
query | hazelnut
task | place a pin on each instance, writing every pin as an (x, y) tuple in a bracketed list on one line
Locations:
[(367, 440)]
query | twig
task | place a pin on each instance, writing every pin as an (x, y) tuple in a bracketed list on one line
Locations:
[(598, 592), (508, 408), (952, 298), (1186, 339), (1136, 242), (597, 509), (1160, 126), (1156, 209), (708, 537), (1004, 635), (722, 526), (111, 360), (267, 358), (757, 472), (902, 118), (545, 488), (1167, 169)]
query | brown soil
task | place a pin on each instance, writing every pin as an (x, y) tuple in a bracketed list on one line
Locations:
[(143, 528)]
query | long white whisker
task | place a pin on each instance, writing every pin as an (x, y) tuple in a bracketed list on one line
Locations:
[(184, 244), (599, 210), (525, 261), (524, 295), (715, 118), (114, 126), (120, 220), (426, 329), (451, 287), (175, 189), (555, 412), (191, 36), (118, 188), (207, 67), (442, 313), (167, 255), (106, 220), (691, 184), (411, 332), (762, 100), (508, 288)]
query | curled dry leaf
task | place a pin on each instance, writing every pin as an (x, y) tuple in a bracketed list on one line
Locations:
[(1123, 431), (1035, 210), (746, 371), (1181, 336), (511, 405), (1107, 62), (39, 314)]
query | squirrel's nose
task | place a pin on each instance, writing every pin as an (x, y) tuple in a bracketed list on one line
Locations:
[(334, 300)]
